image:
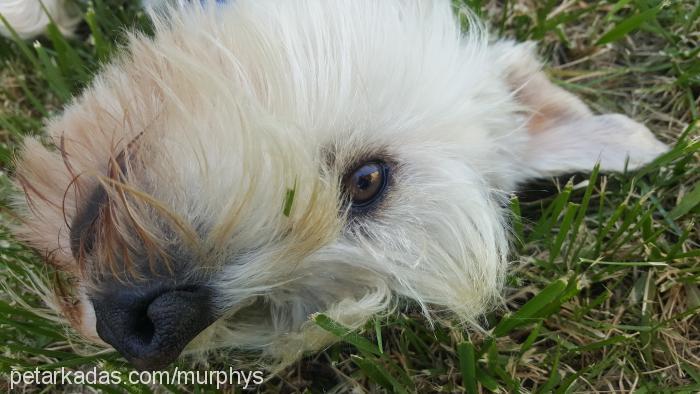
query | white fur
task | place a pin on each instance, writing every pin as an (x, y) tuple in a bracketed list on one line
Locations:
[(240, 102), (29, 19)]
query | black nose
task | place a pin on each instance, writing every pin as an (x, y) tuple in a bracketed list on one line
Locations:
[(150, 328)]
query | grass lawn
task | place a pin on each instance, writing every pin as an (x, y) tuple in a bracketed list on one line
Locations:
[(604, 286)]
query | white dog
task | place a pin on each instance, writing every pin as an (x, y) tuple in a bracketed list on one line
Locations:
[(260, 161)]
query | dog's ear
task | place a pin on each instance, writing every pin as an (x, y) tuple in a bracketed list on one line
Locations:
[(564, 135)]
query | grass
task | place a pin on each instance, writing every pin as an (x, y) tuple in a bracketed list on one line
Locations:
[(605, 280)]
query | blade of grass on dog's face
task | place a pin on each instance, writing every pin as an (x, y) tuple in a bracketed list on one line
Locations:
[(344, 333), (528, 313), (289, 200)]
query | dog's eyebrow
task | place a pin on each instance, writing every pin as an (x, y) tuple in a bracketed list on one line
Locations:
[(82, 230)]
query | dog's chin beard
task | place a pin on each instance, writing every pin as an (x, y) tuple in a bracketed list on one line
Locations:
[(262, 315)]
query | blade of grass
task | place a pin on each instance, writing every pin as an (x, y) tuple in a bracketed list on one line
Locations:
[(102, 47), (289, 200), (24, 48), (467, 362), (592, 179), (564, 230), (517, 220), (345, 334), (375, 372), (52, 74), (627, 25), (687, 203), (528, 313)]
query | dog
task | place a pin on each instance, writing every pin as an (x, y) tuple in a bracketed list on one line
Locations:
[(257, 162)]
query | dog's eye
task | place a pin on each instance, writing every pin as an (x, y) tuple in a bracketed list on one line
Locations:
[(366, 184)]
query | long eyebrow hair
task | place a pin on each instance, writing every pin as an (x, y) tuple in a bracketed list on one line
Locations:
[(97, 210), (83, 229)]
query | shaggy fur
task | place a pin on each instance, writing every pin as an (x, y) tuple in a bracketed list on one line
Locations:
[(199, 133)]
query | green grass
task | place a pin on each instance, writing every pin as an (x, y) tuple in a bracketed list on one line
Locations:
[(605, 284)]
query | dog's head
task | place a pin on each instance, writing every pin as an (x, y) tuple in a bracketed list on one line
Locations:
[(259, 162)]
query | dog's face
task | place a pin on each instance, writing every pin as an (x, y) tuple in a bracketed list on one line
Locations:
[(258, 163)]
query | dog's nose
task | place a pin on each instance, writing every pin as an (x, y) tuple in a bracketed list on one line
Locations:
[(150, 328)]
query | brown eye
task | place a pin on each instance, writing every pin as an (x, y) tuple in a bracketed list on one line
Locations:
[(366, 184)]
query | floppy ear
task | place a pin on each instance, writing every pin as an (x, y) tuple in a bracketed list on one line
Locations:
[(564, 135)]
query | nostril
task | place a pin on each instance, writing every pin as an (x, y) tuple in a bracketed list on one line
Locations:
[(143, 327), (150, 329)]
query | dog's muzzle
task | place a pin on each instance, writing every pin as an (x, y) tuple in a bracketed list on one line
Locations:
[(150, 327)]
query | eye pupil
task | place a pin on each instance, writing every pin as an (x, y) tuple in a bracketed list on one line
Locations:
[(366, 183)]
